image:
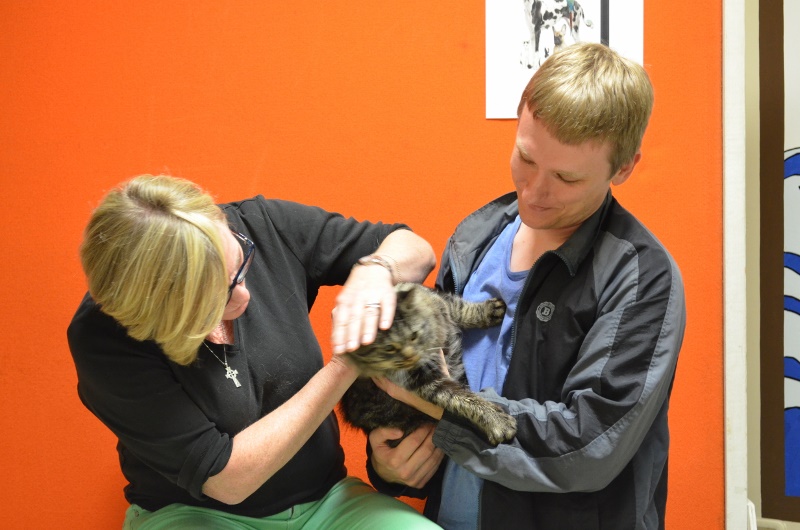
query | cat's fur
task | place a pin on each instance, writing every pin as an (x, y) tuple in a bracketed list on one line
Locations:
[(407, 353)]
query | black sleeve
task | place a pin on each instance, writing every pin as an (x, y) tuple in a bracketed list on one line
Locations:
[(327, 244), (130, 387)]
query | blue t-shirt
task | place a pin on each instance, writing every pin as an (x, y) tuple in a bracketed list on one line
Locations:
[(487, 354)]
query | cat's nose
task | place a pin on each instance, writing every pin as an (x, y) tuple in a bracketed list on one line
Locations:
[(410, 356)]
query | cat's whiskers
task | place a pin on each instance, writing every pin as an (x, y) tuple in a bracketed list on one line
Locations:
[(400, 377), (430, 361)]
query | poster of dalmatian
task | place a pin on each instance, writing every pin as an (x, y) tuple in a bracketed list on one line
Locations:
[(520, 34), (791, 248)]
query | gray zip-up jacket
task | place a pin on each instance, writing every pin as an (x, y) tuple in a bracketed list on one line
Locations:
[(596, 336)]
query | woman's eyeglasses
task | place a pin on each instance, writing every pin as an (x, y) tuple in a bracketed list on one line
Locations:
[(248, 251)]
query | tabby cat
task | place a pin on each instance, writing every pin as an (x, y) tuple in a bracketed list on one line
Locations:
[(407, 353)]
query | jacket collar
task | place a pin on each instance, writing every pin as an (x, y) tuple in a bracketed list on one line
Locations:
[(577, 247), (474, 235), (471, 240)]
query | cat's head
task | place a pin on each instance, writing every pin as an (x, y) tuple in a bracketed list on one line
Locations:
[(411, 340)]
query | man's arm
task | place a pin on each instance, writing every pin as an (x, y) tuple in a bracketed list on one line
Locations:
[(617, 388)]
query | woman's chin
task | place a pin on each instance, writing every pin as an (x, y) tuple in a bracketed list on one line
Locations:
[(233, 313)]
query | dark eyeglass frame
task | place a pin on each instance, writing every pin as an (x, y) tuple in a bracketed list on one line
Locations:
[(249, 250)]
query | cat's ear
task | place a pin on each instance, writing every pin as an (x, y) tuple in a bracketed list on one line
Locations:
[(404, 291)]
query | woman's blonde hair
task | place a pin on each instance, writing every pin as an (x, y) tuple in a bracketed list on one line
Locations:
[(588, 92), (154, 260)]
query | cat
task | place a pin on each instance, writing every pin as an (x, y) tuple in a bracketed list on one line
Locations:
[(407, 353)]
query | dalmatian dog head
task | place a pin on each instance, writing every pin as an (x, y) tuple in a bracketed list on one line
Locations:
[(551, 24)]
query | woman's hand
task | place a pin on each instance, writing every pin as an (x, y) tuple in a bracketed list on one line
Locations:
[(366, 302), (409, 398)]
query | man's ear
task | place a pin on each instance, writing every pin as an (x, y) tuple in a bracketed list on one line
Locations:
[(626, 170)]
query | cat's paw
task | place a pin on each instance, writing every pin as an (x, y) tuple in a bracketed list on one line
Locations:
[(496, 310), (500, 428)]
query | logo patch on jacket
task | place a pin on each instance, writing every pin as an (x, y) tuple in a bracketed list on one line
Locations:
[(545, 311)]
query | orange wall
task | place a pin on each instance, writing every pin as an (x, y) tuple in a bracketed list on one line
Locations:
[(373, 109)]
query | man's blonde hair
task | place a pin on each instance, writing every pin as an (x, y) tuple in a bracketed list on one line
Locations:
[(154, 260), (588, 92)]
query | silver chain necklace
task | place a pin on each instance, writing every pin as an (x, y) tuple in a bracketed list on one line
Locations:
[(230, 373)]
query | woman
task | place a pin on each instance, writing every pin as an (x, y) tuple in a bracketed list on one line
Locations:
[(214, 382)]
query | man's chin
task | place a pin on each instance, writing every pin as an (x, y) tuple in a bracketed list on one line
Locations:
[(536, 221)]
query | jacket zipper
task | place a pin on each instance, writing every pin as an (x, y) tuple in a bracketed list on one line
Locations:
[(522, 294), (456, 288)]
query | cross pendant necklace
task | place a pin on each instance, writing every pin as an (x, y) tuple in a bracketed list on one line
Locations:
[(230, 373)]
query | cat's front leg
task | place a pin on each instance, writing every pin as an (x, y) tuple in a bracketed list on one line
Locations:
[(495, 424), (484, 314)]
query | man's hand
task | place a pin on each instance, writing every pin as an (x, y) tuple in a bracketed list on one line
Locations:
[(413, 462)]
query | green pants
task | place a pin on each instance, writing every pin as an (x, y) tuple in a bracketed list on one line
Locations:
[(349, 505)]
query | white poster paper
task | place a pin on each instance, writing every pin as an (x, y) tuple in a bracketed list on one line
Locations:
[(513, 54)]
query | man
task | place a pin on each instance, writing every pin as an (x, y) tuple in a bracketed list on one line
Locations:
[(586, 356)]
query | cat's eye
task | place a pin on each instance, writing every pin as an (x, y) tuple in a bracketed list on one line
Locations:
[(389, 348)]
